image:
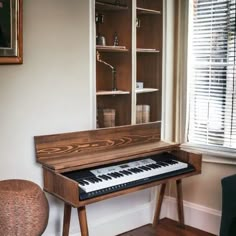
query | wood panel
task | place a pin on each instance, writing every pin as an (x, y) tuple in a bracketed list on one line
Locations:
[(73, 144), (61, 187)]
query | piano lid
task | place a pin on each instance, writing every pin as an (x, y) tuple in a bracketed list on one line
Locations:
[(84, 149)]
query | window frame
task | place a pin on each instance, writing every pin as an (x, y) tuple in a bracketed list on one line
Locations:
[(208, 150)]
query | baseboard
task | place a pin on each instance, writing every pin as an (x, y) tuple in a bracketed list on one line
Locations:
[(118, 223), (195, 215)]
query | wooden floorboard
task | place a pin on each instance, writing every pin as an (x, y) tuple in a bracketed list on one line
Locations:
[(166, 227)]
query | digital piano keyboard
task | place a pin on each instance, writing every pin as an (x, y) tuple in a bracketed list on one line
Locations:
[(81, 168), (99, 181)]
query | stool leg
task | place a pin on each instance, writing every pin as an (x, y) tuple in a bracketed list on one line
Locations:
[(83, 221), (159, 204), (180, 206), (66, 222)]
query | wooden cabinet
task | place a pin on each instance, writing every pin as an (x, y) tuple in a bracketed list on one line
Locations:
[(128, 62)]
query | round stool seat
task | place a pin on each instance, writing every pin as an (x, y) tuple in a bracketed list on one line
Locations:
[(24, 208)]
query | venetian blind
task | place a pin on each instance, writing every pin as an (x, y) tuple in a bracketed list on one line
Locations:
[(212, 90)]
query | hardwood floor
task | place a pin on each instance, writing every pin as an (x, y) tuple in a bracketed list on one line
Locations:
[(166, 227)]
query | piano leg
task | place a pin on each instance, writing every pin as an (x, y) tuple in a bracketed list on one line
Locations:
[(158, 206), (66, 221), (180, 202), (180, 207), (83, 221)]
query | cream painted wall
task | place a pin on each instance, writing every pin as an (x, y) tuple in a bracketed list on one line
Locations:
[(205, 189), (52, 93)]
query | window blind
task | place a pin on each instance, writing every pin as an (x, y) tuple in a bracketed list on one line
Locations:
[(212, 85)]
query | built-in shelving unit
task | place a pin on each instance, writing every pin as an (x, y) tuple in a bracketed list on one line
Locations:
[(116, 31)]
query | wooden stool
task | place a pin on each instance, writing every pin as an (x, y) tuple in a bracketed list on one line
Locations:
[(24, 208)]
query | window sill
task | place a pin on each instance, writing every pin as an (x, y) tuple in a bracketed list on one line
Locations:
[(213, 155)]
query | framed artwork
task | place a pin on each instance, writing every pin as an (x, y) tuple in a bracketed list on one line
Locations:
[(11, 32)]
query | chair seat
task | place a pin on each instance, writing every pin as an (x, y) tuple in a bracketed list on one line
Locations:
[(24, 208)]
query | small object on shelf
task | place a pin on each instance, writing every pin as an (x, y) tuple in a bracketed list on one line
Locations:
[(116, 41), (142, 114), (109, 117), (99, 18), (139, 85), (100, 40), (145, 113), (139, 114), (138, 23), (113, 71)]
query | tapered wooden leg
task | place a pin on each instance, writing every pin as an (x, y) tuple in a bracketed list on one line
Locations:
[(66, 222), (83, 221), (180, 206), (158, 206)]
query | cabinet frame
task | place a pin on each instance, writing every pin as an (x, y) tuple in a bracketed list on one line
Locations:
[(135, 97)]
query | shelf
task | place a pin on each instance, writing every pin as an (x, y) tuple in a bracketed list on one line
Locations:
[(145, 11), (106, 6), (111, 48), (147, 50), (146, 90), (117, 92)]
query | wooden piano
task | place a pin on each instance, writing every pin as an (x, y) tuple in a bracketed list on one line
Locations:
[(110, 155)]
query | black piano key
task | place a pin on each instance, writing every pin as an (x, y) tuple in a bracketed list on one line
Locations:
[(98, 179), (162, 163), (151, 166), (138, 170), (133, 170), (145, 168), (117, 174), (125, 172), (86, 182), (103, 177), (157, 166), (107, 176), (113, 175), (90, 180), (81, 182)]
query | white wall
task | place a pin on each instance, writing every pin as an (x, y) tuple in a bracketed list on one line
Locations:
[(51, 93)]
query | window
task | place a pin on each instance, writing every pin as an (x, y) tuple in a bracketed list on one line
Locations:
[(212, 74)]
